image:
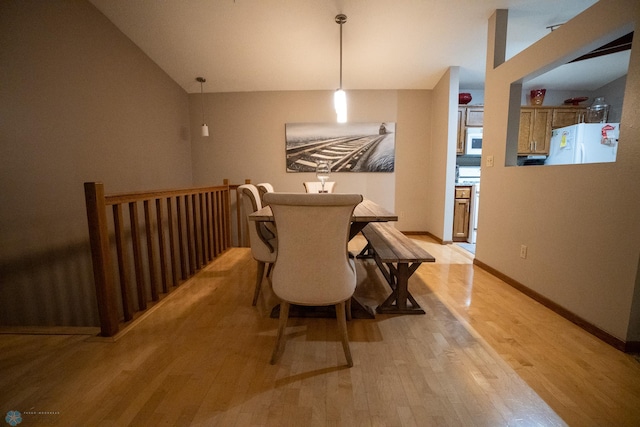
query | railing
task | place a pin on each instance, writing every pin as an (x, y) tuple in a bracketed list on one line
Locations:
[(179, 232)]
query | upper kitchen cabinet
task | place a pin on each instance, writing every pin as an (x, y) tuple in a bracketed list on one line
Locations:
[(567, 116), (460, 143), (468, 117), (535, 131), (536, 124), (474, 116)]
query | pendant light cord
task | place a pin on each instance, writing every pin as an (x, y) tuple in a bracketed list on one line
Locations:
[(341, 54), (202, 99), (341, 19), (202, 80)]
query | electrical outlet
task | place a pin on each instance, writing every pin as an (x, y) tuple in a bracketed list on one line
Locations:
[(489, 161), (523, 251)]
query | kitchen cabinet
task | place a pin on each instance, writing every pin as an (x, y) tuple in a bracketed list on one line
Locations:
[(461, 213), (474, 116), (460, 143), (567, 116), (535, 131), (468, 116)]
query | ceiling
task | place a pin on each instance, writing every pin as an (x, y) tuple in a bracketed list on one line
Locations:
[(268, 45)]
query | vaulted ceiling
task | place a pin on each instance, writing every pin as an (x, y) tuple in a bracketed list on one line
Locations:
[(264, 45)]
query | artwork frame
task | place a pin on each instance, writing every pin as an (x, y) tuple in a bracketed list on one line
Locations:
[(349, 147)]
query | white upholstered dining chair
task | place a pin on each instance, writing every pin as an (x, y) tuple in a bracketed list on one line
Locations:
[(316, 186), (263, 241), (312, 265), (263, 188)]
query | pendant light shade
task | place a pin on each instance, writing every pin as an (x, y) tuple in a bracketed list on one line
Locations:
[(205, 128), (340, 97), (340, 104)]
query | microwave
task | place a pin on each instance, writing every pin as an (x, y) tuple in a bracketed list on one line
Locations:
[(473, 141)]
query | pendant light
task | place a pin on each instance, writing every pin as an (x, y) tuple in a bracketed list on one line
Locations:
[(205, 128), (340, 97)]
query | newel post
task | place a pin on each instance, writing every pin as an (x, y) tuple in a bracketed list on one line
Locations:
[(101, 258)]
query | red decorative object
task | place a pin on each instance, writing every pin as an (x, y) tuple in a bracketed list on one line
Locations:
[(576, 101), (537, 96), (464, 98)]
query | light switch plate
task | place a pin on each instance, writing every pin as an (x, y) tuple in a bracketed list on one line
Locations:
[(489, 161)]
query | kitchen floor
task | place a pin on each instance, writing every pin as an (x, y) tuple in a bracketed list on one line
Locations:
[(469, 247)]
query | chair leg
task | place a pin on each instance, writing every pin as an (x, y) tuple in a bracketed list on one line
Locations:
[(342, 328), (269, 269), (259, 276), (348, 308), (282, 324)]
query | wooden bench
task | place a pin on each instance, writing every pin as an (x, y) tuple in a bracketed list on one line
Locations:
[(397, 257)]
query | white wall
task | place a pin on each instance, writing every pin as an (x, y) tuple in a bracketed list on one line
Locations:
[(248, 141), (78, 102), (442, 156), (580, 222), (414, 191)]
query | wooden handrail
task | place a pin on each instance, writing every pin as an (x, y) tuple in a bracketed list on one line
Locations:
[(180, 231)]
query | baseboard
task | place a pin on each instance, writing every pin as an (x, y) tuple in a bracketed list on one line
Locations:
[(425, 233), (632, 347), (416, 233), (626, 346), (50, 330)]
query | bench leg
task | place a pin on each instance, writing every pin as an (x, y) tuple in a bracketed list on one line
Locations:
[(400, 293), (366, 252)]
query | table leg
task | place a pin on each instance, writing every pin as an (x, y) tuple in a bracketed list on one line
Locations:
[(355, 228)]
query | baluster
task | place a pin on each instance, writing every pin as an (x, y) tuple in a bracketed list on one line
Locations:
[(203, 230), (123, 270), (188, 215), (219, 235), (181, 238), (150, 252), (196, 234), (161, 245), (210, 250), (172, 243), (137, 255)]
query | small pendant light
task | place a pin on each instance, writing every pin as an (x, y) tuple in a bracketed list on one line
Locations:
[(205, 128), (340, 97)]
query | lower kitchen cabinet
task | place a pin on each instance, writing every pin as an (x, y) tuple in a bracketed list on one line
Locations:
[(461, 213)]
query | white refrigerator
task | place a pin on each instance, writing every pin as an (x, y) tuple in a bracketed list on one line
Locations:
[(584, 143)]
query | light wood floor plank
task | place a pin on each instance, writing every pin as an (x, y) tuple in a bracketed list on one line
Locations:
[(484, 354)]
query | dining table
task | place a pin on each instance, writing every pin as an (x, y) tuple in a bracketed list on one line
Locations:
[(364, 213)]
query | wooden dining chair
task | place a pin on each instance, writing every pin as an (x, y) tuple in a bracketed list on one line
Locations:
[(316, 186), (263, 241), (312, 265)]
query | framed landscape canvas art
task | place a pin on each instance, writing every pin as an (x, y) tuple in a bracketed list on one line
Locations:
[(348, 147)]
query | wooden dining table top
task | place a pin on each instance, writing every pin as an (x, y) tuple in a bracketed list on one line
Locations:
[(365, 211)]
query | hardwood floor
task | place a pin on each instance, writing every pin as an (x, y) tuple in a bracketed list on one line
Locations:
[(484, 354)]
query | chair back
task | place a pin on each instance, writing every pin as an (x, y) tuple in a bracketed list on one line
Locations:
[(264, 187), (259, 236), (312, 265), (316, 186)]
